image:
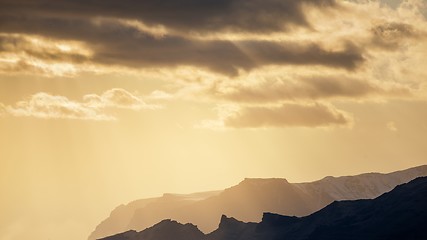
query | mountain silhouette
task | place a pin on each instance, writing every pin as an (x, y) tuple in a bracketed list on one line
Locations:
[(248, 200), (399, 214), (165, 230)]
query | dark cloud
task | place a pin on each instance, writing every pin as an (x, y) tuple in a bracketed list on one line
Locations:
[(221, 56), (184, 15), (302, 54), (115, 43), (287, 115)]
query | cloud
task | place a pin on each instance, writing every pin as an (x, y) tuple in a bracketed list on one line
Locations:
[(110, 31), (390, 35), (285, 115), (105, 28), (39, 55), (113, 43), (116, 98), (47, 106), (273, 89), (44, 48), (44, 105), (220, 56), (184, 16)]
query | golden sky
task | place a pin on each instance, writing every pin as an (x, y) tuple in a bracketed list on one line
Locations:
[(104, 102)]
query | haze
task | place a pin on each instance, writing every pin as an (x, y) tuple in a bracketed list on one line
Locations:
[(105, 102)]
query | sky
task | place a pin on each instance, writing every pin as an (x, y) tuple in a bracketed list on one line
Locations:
[(104, 102)]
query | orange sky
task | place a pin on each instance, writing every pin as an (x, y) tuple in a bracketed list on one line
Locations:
[(99, 107)]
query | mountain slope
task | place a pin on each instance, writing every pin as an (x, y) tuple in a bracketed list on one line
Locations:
[(399, 214), (249, 199), (155, 210), (363, 186)]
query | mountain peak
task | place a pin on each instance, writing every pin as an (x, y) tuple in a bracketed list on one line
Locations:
[(131, 234), (169, 224), (227, 222), (229, 227)]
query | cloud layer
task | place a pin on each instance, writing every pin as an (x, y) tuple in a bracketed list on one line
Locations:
[(118, 44), (266, 57)]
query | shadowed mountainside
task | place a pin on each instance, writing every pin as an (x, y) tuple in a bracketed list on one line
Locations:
[(399, 214), (249, 199), (165, 230)]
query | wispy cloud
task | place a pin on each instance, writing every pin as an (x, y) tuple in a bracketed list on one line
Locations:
[(285, 115), (302, 87), (47, 106), (117, 98)]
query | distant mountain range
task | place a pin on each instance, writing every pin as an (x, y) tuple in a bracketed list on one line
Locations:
[(247, 202), (399, 214)]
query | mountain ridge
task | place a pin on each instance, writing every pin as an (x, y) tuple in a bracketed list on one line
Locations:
[(398, 214), (261, 195)]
